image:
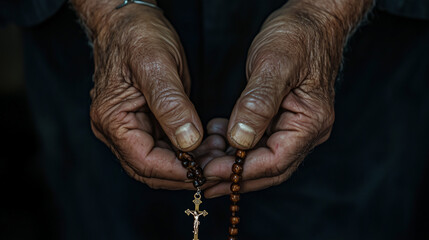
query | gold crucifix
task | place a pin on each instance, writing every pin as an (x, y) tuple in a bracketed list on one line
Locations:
[(196, 213)]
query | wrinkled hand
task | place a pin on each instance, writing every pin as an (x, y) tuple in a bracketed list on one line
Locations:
[(139, 100), (287, 107)]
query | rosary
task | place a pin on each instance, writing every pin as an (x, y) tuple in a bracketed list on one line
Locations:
[(196, 174)]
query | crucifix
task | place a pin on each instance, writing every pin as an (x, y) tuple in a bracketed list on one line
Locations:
[(196, 213)]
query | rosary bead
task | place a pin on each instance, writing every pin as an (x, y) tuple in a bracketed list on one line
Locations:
[(234, 220), (192, 164), (235, 187), (240, 154), (190, 175), (198, 172), (232, 238), (196, 183), (201, 181), (234, 208), (234, 197), (180, 155), (235, 178), (185, 164), (239, 161), (236, 168), (233, 231), (187, 156)]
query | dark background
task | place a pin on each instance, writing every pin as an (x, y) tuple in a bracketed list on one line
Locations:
[(27, 210)]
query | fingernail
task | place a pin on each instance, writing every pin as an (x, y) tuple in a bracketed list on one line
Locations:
[(187, 135), (243, 135)]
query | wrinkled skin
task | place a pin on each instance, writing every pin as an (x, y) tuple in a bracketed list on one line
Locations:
[(288, 101), (140, 98), (141, 83)]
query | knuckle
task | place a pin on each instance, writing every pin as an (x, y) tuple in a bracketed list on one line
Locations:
[(141, 172), (318, 119), (267, 57), (146, 170), (151, 183), (97, 133), (153, 62), (276, 180), (260, 103), (94, 114), (107, 121), (326, 129), (274, 167), (147, 181), (325, 118), (285, 174), (271, 62), (330, 118), (275, 170), (169, 104)]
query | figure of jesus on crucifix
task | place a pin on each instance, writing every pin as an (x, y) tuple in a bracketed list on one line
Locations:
[(196, 213), (196, 216)]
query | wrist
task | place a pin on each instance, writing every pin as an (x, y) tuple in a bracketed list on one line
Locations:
[(100, 15), (339, 17)]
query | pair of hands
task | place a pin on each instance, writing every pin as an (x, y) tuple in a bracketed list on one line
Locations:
[(141, 108)]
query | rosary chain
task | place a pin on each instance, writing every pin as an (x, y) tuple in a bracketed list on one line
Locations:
[(237, 170), (195, 173)]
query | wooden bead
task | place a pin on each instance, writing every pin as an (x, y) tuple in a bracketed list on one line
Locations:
[(180, 155), (239, 161), (184, 156), (198, 172), (234, 208), (235, 187), (234, 197), (201, 181), (192, 164), (185, 164), (233, 231), (235, 178), (234, 220), (240, 154), (236, 168), (196, 183), (190, 175)]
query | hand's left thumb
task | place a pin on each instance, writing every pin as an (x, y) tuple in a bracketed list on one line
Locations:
[(254, 110)]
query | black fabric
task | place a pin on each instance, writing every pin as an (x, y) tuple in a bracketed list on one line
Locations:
[(28, 12), (32, 12), (211, 37), (407, 8), (362, 184)]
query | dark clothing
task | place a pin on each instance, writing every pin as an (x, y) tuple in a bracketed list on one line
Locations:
[(28, 12), (406, 8), (32, 12), (362, 184)]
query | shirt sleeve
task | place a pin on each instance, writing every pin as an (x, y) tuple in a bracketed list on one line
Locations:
[(28, 12), (407, 8)]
